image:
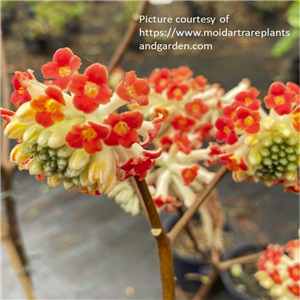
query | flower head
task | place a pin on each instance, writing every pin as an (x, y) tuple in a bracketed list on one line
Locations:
[(279, 272), (70, 133)]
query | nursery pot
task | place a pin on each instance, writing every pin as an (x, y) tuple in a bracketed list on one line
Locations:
[(184, 265), (235, 252)]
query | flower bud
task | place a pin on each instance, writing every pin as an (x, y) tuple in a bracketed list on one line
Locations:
[(254, 157), (28, 148), (78, 159), (25, 113), (284, 130), (65, 151), (251, 140), (68, 184), (32, 133), (35, 168), (15, 129), (16, 155), (44, 137), (291, 175), (54, 181), (268, 124)]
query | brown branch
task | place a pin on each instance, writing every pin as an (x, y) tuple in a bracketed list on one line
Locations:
[(205, 288), (7, 171), (128, 35), (239, 260), (15, 260), (193, 208), (162, 241), (191, 235)]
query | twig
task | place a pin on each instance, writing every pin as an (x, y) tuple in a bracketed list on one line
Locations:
[(162, 241), (15, 260), (191, 235), (239, 260), (205, 288), (193, 208), (7, 169), (129, 34)]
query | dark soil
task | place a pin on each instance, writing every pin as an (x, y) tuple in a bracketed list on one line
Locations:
[(185, 246), (247, 284)]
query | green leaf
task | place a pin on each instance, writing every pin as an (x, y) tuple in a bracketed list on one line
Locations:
[(285, 43)]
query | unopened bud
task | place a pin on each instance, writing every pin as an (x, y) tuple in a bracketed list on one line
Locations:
[(25, 113), (54, 181), (32, 133), (268, 124), (35, 168), (78, 159), (251, 140), (254, 157), (15, 129), (65, 151)]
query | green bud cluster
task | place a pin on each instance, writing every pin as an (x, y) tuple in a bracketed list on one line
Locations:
[(278, 157)]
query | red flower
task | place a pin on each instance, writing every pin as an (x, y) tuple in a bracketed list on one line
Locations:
[(49, 107), (64, 64), (196, 108), (189, 174), (248, 99), (6, 115), (87, 136), (198, 83), (165, 142), (275, 276), (160, 78), (181, 74), (280, 98), (292, 246), (225, 131), (176, 92), (204, 130), (183, 143), (182, 123), (294, 88), (294, 288), (167, 203), (230, 111), (21, 94), (163, 112), (294, 272), (91, 88), (124, 128), (139, 166), (233, 162), (134, 89), (247, 120)]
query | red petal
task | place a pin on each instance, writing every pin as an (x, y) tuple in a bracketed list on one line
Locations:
[(62, 56), (104, 94), (16, 98), (103, 131), (130, 78), (50, 70), (122, 92), (77, 84), (134, 119), (97, 73), (44, 119), (277, 88), (85, 104), (75, 63), (55, 94), (93, 146)]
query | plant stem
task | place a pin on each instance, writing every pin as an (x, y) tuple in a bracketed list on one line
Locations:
[(128, 35), (15, 259), (193, 208), (239, 260), (162, 241), (191, 235)]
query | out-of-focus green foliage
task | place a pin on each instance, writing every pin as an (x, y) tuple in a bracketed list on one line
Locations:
[(8, 4), (51, 17), (270, 6), (128, 8), (285, 43)]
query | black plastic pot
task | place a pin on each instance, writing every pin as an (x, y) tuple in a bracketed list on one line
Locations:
[(185, 265), (235, 252)]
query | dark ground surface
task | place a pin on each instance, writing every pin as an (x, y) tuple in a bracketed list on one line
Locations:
[(84, 247)]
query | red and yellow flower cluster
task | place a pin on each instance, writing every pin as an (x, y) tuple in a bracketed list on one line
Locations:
[(68, 128), (260, 145), (279, 271)]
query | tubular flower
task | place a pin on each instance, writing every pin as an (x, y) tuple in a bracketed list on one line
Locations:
[(20, 95), (279, 272), (133, 89), (280, 98), (77, 138), (265, 146), (90, 89), (64, 64)]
